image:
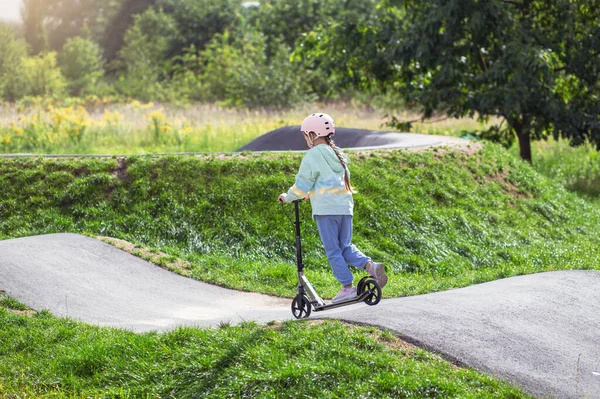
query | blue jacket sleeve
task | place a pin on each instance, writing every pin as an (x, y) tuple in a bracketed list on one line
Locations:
[(305, 181)]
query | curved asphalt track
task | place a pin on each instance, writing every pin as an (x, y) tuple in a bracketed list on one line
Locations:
[(289, 138), (83, 278), (539, 331)]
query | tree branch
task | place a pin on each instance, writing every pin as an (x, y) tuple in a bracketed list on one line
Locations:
[(597, 53), (514, 3)]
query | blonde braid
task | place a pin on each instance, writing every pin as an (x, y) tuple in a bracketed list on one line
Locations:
[(338, 152)]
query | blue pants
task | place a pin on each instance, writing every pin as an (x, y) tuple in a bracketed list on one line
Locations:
[(336, 234)]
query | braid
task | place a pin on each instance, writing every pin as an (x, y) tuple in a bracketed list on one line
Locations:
[(338, 152)]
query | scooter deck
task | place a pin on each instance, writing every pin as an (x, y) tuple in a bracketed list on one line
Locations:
[(357, 299)]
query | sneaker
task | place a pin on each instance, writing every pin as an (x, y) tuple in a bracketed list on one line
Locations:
[(378, 273), (345, 294)]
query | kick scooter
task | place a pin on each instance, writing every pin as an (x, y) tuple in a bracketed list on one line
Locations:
[(367, 291)]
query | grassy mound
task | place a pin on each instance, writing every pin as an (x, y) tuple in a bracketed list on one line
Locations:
[(41, 356), (438, 219)]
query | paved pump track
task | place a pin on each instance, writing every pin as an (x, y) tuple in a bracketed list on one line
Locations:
[(289, 138), (541, 331)]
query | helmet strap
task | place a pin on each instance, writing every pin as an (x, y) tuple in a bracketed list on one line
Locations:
[(312, 141)]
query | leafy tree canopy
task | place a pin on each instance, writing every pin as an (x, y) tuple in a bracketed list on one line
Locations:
[(535, 64), (81, 63), (49, 23), (12, 51), (198, 21)]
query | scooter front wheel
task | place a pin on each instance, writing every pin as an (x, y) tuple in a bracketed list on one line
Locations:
[(301, 307), (370, 285)]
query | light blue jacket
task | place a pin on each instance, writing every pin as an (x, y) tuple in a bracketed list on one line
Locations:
[(321, 175)]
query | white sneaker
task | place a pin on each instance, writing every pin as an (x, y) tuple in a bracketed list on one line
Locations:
[(378, 273), (345, 294)]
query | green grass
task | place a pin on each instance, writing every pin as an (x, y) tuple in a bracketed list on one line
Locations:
[(437, 219), (42, 356), (576, 168)]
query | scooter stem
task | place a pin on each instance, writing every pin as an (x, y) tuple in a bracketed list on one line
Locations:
[(298, 243)]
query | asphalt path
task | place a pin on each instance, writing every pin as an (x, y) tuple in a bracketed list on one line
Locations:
[(86, 279), (541, 331)]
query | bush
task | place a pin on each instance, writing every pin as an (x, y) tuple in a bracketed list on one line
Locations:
[(39, 76), (145, 55), (217, 57), (274, 83), (290, 21), (81, 63), (239, 73)]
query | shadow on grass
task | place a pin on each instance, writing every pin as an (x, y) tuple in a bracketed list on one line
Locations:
[(201, 377)]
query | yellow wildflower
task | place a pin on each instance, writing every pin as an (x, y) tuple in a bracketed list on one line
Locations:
[(157, 116), (184, 131), (112, 118)]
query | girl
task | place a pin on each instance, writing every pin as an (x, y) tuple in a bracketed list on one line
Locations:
[(324, 175)]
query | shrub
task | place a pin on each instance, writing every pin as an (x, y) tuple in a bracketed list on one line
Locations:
[(272, 83), (239, 72), (145, 55), (39, 76), (81, 63), (218, 57), (12, 51)]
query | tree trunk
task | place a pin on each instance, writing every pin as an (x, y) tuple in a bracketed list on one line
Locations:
[(522, 130)]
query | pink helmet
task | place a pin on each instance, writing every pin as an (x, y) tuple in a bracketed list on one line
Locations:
[(321, 124)]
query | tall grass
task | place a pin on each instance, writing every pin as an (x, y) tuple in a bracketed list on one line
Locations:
[(153, 128), (576, 168)]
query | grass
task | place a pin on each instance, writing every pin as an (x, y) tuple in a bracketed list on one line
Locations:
[(438, 219), (42, 356), (576, 168), (153, 128)]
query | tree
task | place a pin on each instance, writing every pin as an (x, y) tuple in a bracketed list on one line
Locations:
[(288, 21), (113, 39), (198, 21), (49, 23), (33, 13), (12, 51), (145, 54), (238, 72), (533, 63), (81, 63)]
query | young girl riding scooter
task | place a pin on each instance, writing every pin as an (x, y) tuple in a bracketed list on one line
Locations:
[(324, 178)]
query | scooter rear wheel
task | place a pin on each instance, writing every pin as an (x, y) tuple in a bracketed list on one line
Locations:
[(301, 307), (361, 284), (375, 296)]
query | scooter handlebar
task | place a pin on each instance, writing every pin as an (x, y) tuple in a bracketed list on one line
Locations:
[(293, 202)]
